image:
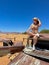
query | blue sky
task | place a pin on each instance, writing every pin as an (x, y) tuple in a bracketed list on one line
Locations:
[(16, 15)]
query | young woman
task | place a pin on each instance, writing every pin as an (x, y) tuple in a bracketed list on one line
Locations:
[(33, 31)]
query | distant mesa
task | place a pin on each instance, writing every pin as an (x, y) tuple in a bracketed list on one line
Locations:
[(10, 32)]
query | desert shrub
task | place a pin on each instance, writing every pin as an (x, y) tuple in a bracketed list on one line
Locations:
[(44, 31)]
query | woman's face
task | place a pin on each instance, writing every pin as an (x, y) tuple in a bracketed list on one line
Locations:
[(35, 22)]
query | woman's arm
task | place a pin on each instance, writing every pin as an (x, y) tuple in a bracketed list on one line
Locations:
[(39, 23)]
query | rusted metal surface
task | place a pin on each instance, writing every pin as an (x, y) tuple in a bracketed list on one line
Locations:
[(45, 35), (2, 40), (44, 63), (39, 54), (11, 49), (42, 43), (24, 59)]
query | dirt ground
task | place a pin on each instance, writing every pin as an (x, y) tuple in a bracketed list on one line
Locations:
[(4, 60)]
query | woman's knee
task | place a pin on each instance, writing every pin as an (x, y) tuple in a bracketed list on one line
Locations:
[(35, 37)]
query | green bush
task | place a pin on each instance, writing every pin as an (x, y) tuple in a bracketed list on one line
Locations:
[(44, 31), (24, 33)]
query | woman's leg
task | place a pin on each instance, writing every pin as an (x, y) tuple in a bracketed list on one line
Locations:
[(30, 33), (35, 38), (28, 40)]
